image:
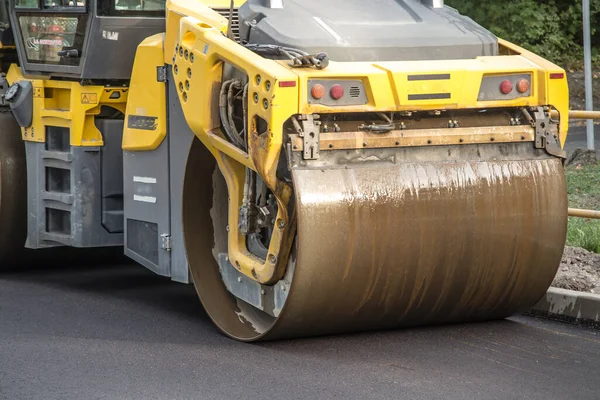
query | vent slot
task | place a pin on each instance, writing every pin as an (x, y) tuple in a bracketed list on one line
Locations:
[(235, 24), (58, 221), (354, 91), (58, 180)]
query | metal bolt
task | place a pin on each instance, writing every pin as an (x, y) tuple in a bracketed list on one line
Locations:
[(189, 71), (192, 57), (265, 104), (187, 54), (176, 69), (32, 133), (272, 259), (176, 48), (227, 228), (239, 279), (258, 79), (281, 224), (181, 86), (187, 85), (181, 51), (262, 291), (184, 96), (255, 96), (268, 85)]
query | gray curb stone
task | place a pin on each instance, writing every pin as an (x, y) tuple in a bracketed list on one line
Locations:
[(569, 306)]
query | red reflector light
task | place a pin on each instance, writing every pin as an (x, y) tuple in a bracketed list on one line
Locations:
[(506, 87), (287, 83), (318, 91), (557, 75), (336, 92), (523, 85)]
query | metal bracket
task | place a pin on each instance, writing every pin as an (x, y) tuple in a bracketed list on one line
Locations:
[(165, 242), (310, 136), (161, 74), (544, 137), (3, 88)]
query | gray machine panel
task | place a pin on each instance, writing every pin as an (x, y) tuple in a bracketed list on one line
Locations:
[(153, 198), (114, 41), (65, 205), (359, 30), (147, 208)]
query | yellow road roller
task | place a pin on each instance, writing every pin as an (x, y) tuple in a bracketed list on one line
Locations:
[(312, 167)]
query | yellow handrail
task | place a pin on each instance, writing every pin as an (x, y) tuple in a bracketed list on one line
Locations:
[(576, 212)]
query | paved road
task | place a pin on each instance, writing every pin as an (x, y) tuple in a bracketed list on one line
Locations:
[(577, 138), (122, 333)]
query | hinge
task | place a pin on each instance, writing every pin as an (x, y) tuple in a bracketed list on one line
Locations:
[(161, 74), (309, 132), (165, 242)]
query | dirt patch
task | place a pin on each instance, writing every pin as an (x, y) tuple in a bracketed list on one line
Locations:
[(576, 81), (582, 157), (579, 270)]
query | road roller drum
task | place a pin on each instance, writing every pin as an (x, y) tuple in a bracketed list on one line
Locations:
[(474, 232), (13, 190)]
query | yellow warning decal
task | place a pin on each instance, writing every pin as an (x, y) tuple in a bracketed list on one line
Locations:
[(37, 92), (89, 98)]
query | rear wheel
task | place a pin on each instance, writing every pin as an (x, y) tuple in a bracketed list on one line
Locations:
[(13, 191)]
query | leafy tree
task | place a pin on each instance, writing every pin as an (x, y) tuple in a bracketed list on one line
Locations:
[(550, 28)]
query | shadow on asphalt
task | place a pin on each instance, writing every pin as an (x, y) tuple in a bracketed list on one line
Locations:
[(109, 275)]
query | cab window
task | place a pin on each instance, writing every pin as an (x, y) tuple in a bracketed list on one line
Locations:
[(142, 8)]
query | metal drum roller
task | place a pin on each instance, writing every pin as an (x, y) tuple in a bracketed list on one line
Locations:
[(13, 190), (422, 236)]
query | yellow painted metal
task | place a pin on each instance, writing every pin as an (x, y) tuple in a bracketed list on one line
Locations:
[(70, 105), (197, 49), (197, 72), (580, 114), (147, 98), (576, 212), (199, 9)]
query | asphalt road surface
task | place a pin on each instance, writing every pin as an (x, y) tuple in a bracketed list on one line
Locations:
[(120, 332)]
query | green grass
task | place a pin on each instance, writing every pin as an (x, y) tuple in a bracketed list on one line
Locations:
[(583, 187)]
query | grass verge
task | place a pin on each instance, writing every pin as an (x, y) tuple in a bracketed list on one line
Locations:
[(583, 187)]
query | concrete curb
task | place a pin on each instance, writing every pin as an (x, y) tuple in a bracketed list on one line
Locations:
[(569, 306)]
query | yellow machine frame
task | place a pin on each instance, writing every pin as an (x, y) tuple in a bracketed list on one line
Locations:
[(196, 48)]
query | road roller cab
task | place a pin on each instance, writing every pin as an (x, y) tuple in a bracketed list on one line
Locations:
[(313, 168)]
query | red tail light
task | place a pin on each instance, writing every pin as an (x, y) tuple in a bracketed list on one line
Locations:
[(523, 86), (318, 91), (336, 92), (506, 87)]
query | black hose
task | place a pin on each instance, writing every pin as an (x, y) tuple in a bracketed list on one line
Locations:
[(223, 101)]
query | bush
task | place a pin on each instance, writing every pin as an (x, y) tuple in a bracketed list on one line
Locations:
[(551, 28)]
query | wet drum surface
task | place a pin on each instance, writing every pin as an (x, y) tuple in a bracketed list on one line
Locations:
[(475, 236)]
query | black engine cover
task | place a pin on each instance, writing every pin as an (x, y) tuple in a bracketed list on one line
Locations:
[(366, 30)]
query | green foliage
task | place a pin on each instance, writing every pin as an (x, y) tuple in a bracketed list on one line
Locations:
[(583, 187), (551, 28)]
